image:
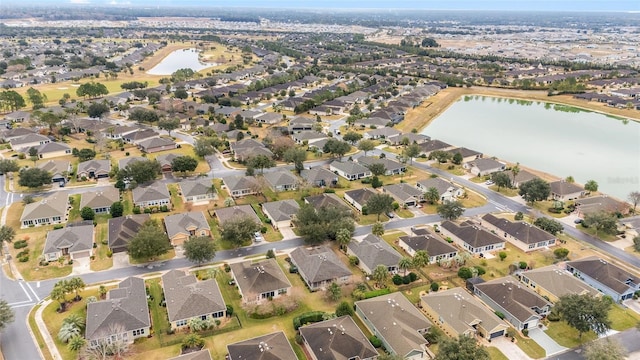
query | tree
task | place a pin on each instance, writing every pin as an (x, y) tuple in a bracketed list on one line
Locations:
[(91, 90), (344, 308), (465, 273), (87, 213), (260, 162), (36, 98), (450, 210), (68, 331), (515, 170), (636, 243), (561, 253), (440, 155), (457, 158), (585, 312), (76, 284), (336, 147), (33, 154), (343, 238), (11, 101), (634, 197), (462, 348), (181, 94), (352, 137), (86, 154), (377, 228), (321, 224), (7, 166), (334, 292), (605, 349), (503, 255), (143, 115), (420, 259), (7, 233), (377, 169), (140, 171), (75, 320), (404, 264), (150, 241), (238, 230), (296, 156), (551, 226), (203, 147), (6, 314), (97, 110), (591, 185), (379, 203), (76, 343), (380, 275), (34, 177), (169, 124), (366, 145), (199, 249), (102, 290), (535, 190), (432, 195), (412, 151), (501, 180), (192, 341), (184, 163), (601, 221), (116, 209)]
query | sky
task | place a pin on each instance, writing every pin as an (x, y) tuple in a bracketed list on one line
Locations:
[(529, 5)]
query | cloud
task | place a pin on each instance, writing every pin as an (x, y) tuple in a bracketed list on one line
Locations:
[(79, 1)]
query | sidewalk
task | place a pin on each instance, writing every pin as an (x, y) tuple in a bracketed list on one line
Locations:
[(42, 328)]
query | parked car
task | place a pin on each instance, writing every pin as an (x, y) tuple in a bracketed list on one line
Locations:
[(489, 182), (257, 236), (390, 215)]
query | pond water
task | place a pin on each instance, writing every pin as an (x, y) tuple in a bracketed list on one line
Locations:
[(179, 59), (557, 139)]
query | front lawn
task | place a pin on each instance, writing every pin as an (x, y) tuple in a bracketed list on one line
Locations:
[(496, 354), (166, 256), (101, 261), (567, 336), (509, 192), (472, 199), (74, 213), (31, 269), (530, 347)]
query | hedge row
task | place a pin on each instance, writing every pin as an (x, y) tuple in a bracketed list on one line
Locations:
[(306, 318)]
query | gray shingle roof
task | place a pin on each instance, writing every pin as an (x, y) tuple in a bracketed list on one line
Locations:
[(77, 238), (274, 346), (255, 278), (606, 273), (472, 234), (166, 159), (94, 165), (180, 223), (361, 196), (52, 205), (374, 251), (440, 184), (403, 192), (485, 164), (237, 182), (429, 243), (562, 187), (122, 163), (350, 167), (122, 229), (55, 167), (156, 142), (558, 281), (319, 174), (337, 339), (186, 297), (52, 147), (520, 230), (198, 355), (196, 187), (125, 306), (155, 191), (319, 264), (97, 199), (280, 178), (513, 297), (228, 213), (281, 210), (389, 164), (325, 199)]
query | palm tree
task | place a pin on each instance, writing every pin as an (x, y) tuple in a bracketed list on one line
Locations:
[(67, 332), (404, 264), (103, 291), (380, 275), (420, 259), (75, 320), (76, 343), (514, 171), (76, 284), (58, 294), (197, 324), (377, 228), (343, 237), (192, 341)]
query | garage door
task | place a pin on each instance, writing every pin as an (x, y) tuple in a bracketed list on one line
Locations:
[(497, 334), (81, 254)]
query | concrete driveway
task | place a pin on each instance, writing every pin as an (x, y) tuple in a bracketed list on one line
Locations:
[(509, 349), (81, 266), (120, 260), (548, 344)]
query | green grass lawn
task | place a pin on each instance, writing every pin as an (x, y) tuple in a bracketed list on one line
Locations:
[(496, 354), (158, 313), (404, 213), (34, 328), (176, 199), (504, 191), (622, 319), (74, 213), (601, 235), (166, 256), (567, 336), (530, 347)]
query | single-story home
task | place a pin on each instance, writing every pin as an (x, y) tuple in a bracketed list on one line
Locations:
[(239, 186), (319, 176), (562, 190), (373, 251), (467, 154), (404, 194), (358, 197), (75, 241), (350, 170), (122, 229), (237, 211), (525, 236), (100, 201), (155, 194), (320, 266), (281, 180), (52, 209), (156, 144), (281, 212), (391, 167), (274, 346), (447, 190), (482, 166), (338, 338), (260, 281), (472, 237), (436, 248), (605, 277), (600, 203), (25, 142), (181, 227), (326, 199), (59, 170), (94, 169), (166, 161), (198, 191), (553, 282), (53, 149)]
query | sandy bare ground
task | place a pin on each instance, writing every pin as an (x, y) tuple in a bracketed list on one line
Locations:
[(422, 115)]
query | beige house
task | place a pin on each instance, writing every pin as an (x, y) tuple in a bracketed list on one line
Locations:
[(187, 298), (554, 282), (319, 267), (100, 201), (155, 194), (53, 149), (52, 209), (459, 313), (525, 236), (181, 227), (198, 191), (281, 212), (260, 281), (75, 241)]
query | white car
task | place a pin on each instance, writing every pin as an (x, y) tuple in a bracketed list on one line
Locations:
[(489, 182), (257, 236)]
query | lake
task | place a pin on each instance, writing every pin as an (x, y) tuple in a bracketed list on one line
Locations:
[(557, 139), (179, 59)]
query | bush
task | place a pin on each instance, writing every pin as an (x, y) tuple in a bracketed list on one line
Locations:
[(344, 308), (365, 210), (397, 279), (23, 258), (406, 280), (396, 206), (480, 270), (434, 335), (375, 341), (522, 265), (227, 268), (308, 318), (435, 287), (561, 253), (263, 230), (20, 244), (525, 332), (354, 261), (502, 255), (23, 253), (109, 253), (329, 191), (553, 316), (126, 154), (554, 210), (229, 310), (413, 277), (375, 293), (164, 208), (519, 216), (136, 210), (58, 226)]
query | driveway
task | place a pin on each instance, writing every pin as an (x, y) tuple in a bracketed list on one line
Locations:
[(81, 266), (509, 349), (632, 304), (548, 344), (287, 233), (120, 260)]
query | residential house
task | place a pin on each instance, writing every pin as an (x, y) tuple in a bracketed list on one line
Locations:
[(563, 191), (239, 186), (234, 212), (599, 203), (525, 236), (155, 194), (94, 169), (447, 191), (196, 355), (521, 306), (18, 116), (309, 138), (59, 170), (53, 149), (140, 135), (123, 316), (392, 167), (166, 161), (554, 282), (122, 163), (11, 134), (467, 154), (522, 177), (260, 281), (269, 118), (274, 346), (472, 237), (337, 339), (187, 298), (436, 248), (350, 170), (458, 313), (25, 142), (100, 201), (319, 267), (52, 209), (281, 180), (605, 277), (156, 144), (373, 251), (430, 146), (327, 200), (75, 241), (181, 227), (482, 166), (244, 149), (319, 177), (372, 122), (118, 132), (398, 324), (122, 229), (411, 138), (281, 212), (198, 191), (404, 194), (381, 133), (299, 124), (358, 197)]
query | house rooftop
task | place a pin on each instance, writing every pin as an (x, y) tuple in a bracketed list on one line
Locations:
[(274, 346), (255, 278), (186, 297), (337, 339), (612, 276)]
